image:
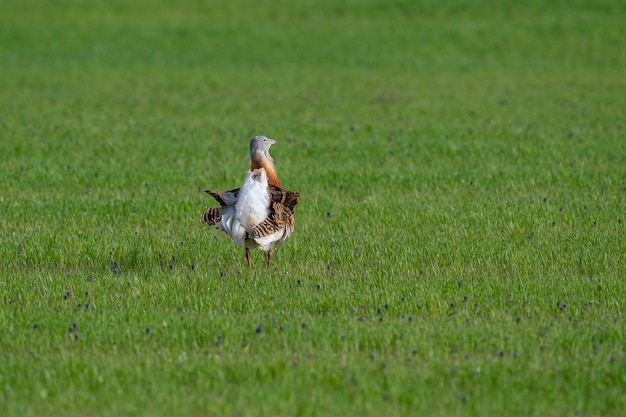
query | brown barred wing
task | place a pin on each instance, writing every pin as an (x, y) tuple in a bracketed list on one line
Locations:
[(280, 219), (212, 216), (273, 223)]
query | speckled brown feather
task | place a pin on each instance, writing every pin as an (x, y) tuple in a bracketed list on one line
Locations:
[(286, 197)]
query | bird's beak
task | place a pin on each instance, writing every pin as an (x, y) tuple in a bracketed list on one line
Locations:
[(272, 142)]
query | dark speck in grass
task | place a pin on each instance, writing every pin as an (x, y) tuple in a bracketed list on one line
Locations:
[(299, 282), (501, 353), (303, 325), (319, 287), (193, 267), (76, 336), (147, 330), (386, 306), (328, 213), (222, 273), (259, 329), (410, 318), (35, 326)]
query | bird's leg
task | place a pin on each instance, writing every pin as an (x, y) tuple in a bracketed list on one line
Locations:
[(248, 259), (270, 253)]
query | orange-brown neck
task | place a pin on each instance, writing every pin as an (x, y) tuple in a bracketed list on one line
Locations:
[(268, 165)]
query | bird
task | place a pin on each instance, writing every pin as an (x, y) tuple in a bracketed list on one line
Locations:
[(260, 212)]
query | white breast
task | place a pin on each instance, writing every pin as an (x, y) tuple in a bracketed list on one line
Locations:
[(252, 206)]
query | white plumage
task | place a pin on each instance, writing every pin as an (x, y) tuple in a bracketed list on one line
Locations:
[(246, 210), (260, 212)]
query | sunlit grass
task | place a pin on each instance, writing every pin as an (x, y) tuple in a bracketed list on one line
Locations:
[(459, 245)]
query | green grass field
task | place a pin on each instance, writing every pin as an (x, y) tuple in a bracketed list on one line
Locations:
[(460, 242)]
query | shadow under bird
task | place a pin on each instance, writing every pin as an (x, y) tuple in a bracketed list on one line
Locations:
[(260, 212)]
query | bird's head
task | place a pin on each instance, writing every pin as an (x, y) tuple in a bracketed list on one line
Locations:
[(260, 147)]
